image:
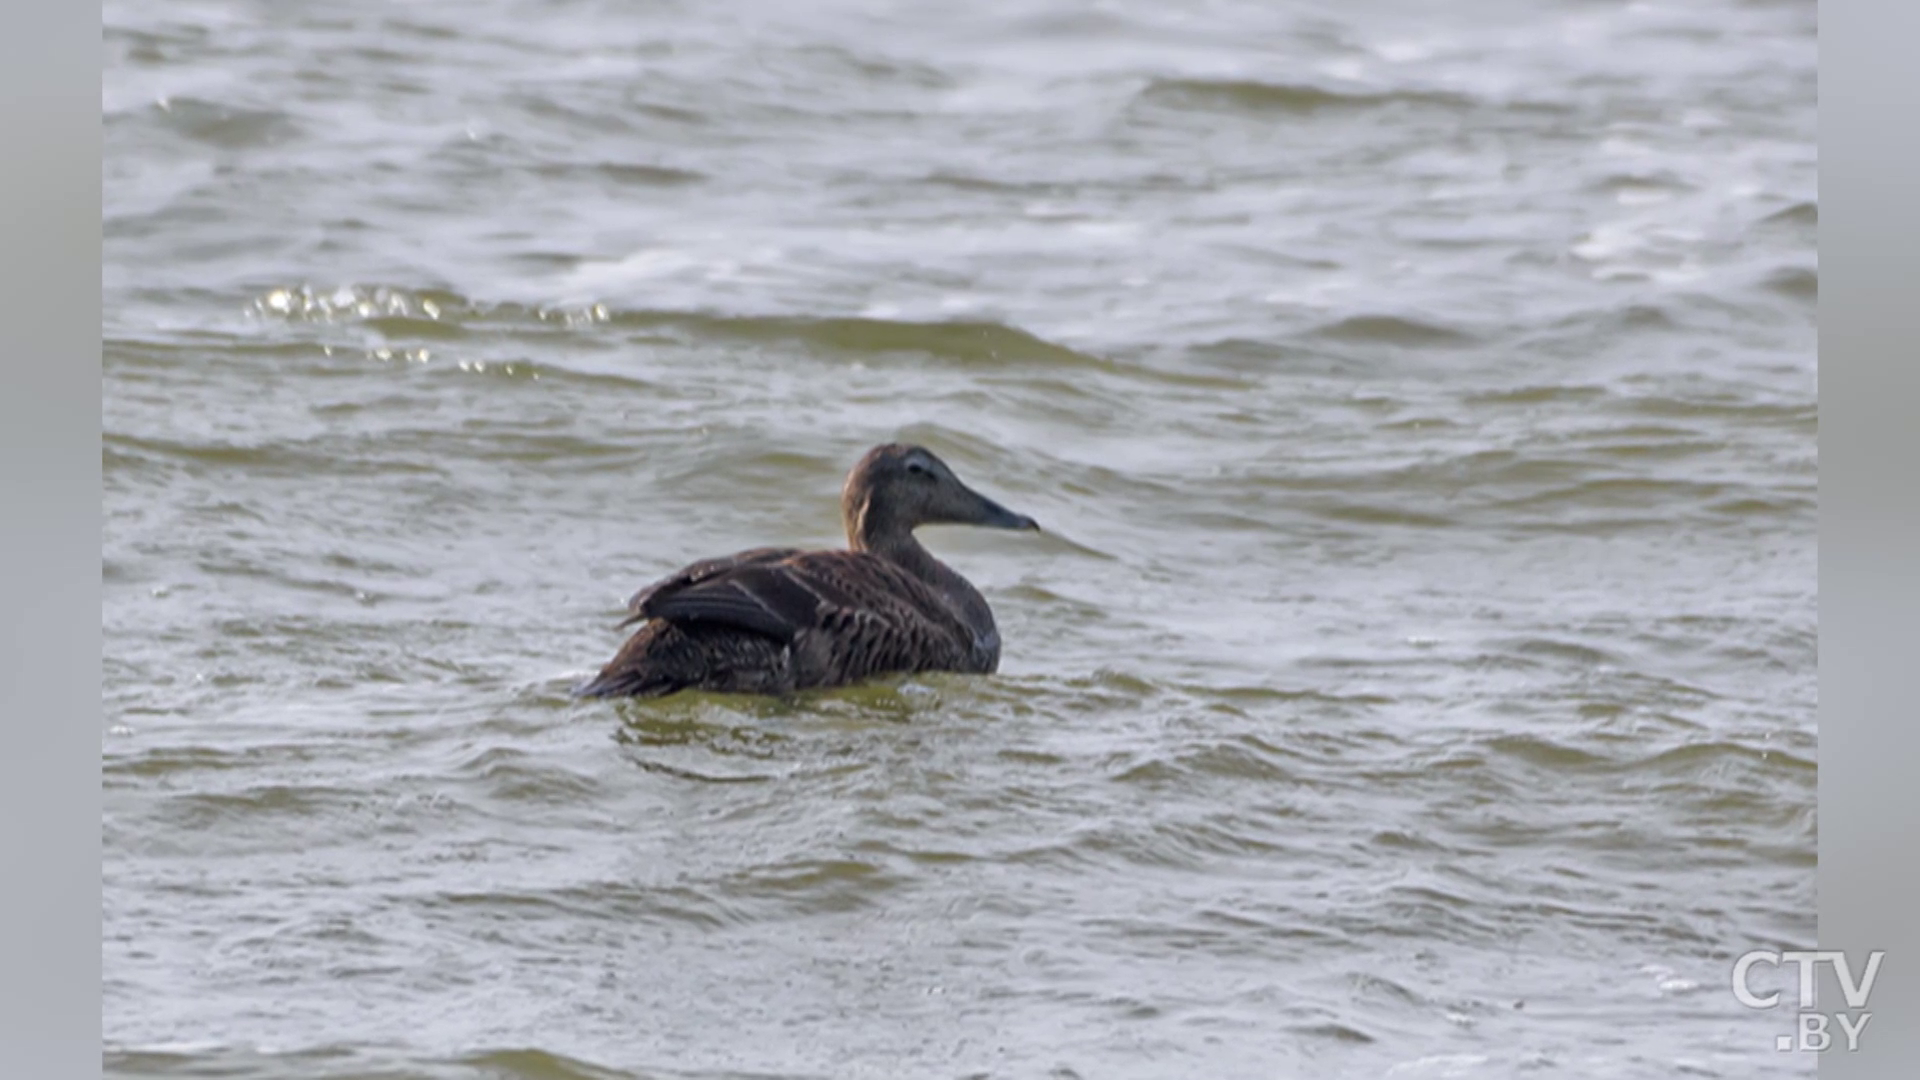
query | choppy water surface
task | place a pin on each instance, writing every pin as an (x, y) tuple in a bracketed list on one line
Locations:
[(1416, 679)]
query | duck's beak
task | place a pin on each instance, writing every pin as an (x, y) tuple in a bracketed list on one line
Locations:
[(992, 515)]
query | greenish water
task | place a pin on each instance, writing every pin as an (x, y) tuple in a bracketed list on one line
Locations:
[(1416, 677)]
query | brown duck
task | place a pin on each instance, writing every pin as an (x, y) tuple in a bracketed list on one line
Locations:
[(776, 620)]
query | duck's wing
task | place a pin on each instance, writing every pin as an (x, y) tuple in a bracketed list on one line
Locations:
[(861, 612), (694, 574)]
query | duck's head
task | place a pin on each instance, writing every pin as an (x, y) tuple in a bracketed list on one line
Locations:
[(898, 487)]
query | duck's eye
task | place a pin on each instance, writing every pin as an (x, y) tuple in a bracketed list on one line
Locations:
[(919, 468)]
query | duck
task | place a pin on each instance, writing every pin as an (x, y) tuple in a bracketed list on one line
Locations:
[(773, 621)]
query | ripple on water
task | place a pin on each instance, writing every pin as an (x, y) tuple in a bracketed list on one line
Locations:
[(1297, 99), (227, 127)]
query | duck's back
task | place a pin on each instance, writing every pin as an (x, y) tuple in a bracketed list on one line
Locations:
[(774, 620)]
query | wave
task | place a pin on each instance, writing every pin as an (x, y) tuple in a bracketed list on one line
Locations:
[(1295, 98)]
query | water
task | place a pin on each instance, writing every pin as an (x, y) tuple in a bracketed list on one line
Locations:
[(1416, 677)]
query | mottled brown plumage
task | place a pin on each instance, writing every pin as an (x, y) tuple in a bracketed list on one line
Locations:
[(775, 620)]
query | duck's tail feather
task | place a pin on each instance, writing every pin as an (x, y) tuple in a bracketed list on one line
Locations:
[(665, 657), (629, 683)]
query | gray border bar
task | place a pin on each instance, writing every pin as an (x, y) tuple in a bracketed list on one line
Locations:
[(1870, 520), (50, 540)]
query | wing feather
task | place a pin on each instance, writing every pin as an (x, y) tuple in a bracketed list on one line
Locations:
[(766, 599), (695, 573), (859, 613)]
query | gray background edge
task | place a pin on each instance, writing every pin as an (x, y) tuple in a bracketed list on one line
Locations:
[(1869, 811), (50, 483)]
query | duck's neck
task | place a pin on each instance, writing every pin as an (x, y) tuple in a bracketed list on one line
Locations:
[(896, 544)]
